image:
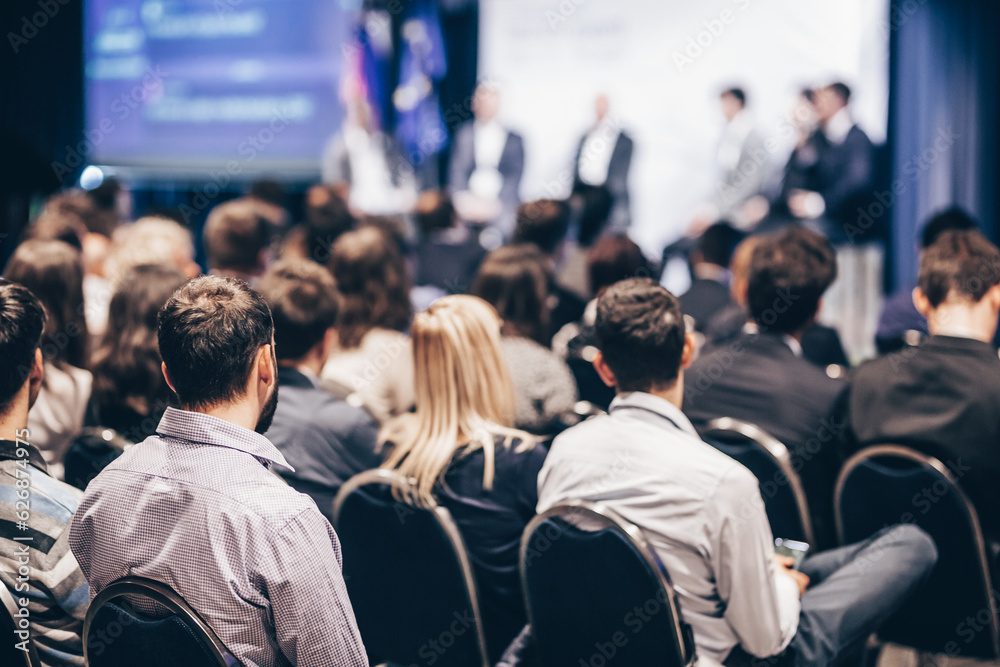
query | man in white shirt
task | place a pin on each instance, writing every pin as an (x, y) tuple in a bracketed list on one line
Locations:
[(703, 513), (487, 161), (603, 159)]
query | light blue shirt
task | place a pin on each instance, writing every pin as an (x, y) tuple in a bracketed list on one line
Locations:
[(701, 511)]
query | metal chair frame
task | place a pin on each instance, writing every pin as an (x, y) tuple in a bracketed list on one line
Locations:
[(383, 477), (608, 518), (778, 453), (939, 468), (167, 597)]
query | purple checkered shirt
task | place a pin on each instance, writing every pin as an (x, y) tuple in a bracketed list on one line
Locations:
[(196, 508)]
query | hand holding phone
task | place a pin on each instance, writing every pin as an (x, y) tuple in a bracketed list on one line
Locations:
[(792, 549)]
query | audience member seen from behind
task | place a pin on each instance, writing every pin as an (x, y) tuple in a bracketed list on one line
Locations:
[(238, 239), (820, 344), (899, 316), (544, 223), (53, 271), (709, 291), (740, 598), (943, 397), (448, 253), (130, 393), (462, 450), (373, 356), (324, 439), (54, 587), (769, 383), (611, 259), (513, 280), (255, 558), (327, 217)]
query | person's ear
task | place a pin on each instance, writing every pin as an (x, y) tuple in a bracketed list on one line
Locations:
[(35, 377), (993, 294), (921, 302), (687, 352), (331, 343), (166, 376), (604, 371), (266, 363)]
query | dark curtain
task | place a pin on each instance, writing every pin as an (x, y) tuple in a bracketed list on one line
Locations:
[(943, 117)]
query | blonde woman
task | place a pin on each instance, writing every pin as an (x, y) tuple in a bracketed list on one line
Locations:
[(460, 448)]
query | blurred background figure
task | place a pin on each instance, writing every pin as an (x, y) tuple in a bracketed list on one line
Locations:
[(603, 159), (709, 291), (238, 237), (53, 271), (741, 161), (487, 161), (371, 162), (447, 253), (514, 280)]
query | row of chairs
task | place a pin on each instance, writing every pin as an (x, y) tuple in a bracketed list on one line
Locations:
[(410, 577)]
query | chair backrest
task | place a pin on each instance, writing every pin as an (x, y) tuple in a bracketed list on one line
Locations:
[(597, 594), (116, 635), (769, 460), (10, 654), (409, 577), (953, 612)]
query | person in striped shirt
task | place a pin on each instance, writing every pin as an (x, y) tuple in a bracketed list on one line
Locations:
[(36, 563)]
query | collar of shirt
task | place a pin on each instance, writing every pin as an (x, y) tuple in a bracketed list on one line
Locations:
[(640, 401), (8, 451), (794, 345), (208, 430), (837, 127)]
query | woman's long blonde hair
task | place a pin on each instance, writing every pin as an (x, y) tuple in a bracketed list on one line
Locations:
[(465, 397)]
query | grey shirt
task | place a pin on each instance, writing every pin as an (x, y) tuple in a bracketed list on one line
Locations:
[(701, 511)]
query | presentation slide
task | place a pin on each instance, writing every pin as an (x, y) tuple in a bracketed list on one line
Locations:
[(195, 86), (663, 64)]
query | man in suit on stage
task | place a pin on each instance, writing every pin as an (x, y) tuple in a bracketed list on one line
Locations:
[(943, 397), (487, 161), (762, 376), (603, 158)]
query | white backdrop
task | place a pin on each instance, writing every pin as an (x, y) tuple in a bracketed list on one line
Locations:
[(663, 64)]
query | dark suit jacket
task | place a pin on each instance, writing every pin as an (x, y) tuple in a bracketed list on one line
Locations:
[(621, 161), (942, 398), (820, 344), (326, 440), (703, 300), (845, 175), (760, 380), (511, 166)]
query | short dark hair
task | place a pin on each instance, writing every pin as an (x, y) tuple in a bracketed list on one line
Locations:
[(789, 272), (433, 212), (615, 258), (304, 303), (209, 333), (841, 90), (737, 94), (513, 279), (235, 234), (640, 332), (952, 218), (327, 217), (22, 320), (543, 222), (717, 243), (960, 261)]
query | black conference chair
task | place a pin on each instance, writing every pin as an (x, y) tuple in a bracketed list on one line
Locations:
[(409, 577), (769, 460), (953, 612), (598, 595), (119, 636), (10, 654)]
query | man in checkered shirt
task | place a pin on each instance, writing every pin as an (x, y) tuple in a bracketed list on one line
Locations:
[(196, 507)]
